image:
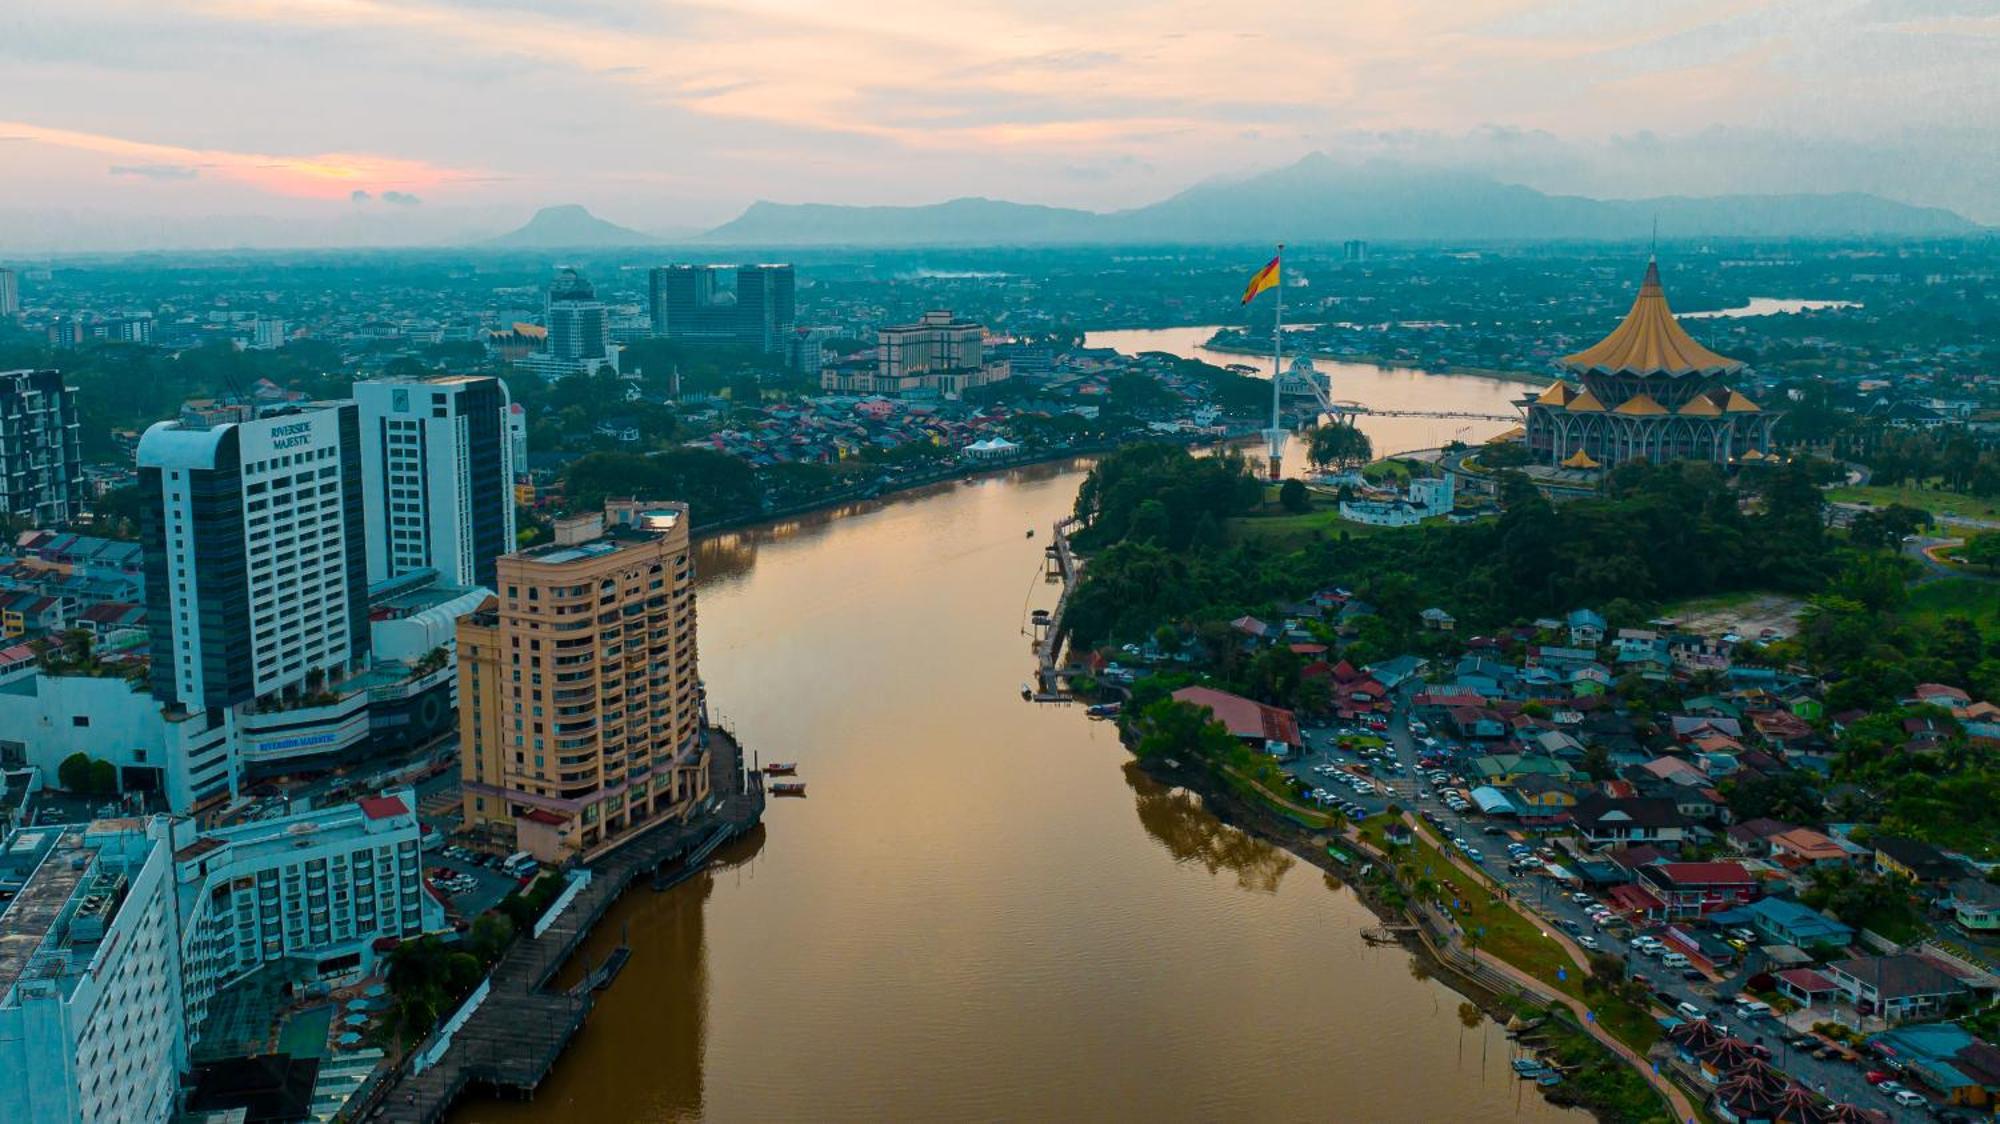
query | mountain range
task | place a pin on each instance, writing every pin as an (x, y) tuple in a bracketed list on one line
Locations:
[(1321, 199), (567, 227)]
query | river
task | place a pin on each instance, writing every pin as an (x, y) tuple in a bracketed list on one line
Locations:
[(983, 911), (1392, 388)]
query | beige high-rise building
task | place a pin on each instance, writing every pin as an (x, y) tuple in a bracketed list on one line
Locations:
[(579, 700)]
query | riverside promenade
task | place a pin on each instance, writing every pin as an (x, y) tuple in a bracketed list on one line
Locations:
[(515, 1036)]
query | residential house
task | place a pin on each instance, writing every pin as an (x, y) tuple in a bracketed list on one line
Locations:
[(1437, 620), (1914, 860), (1586, 628), (1782, 921), (1802, 848), (1898, 987), (1543, 796), (1693, 889), (1604, 820), (1393, 673), (1807, 987), (1975, 905), (1504, 770)]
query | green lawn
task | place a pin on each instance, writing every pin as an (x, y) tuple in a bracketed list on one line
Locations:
[(1935, 502), (1285, 530), (1980, 600), (1518, 939)]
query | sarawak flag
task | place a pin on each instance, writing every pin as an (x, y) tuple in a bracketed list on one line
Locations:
[(1266, 278)]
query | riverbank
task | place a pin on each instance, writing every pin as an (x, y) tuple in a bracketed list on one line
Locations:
[(1512, 997)]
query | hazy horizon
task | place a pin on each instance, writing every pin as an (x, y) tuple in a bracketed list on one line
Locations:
[(424, 122)]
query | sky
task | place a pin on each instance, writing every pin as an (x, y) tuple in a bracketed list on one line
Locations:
[(151, 122)]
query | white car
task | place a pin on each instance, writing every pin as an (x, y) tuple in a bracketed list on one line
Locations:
[(1588, 942), (1909, 1099)]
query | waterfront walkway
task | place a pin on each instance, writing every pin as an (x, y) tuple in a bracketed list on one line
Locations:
[(1048, 649), (513, 1038)]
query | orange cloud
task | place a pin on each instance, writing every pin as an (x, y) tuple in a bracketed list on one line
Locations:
[(329, 175)]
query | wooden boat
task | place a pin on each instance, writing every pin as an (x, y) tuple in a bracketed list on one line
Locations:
[(1103, 710), (792, 788), (1529, 1067), (782, 768), (1549, 1080)]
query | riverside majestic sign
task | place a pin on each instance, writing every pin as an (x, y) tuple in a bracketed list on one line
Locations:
[(291, 436)]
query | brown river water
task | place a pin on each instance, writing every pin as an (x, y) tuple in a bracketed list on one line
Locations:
[(983, 911)]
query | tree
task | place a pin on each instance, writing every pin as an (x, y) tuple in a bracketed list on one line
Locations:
[(1340, 445), (74, 772), (1982, 550), (103, 778), (1293, 497), (1171, 727)]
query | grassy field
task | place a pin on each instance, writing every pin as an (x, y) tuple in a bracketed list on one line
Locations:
[(1284, 530), (1935, 502), (1496, 927), (1980, 600)]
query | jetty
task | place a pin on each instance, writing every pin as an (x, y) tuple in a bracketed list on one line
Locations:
[(510, 1040), (1060, 564)]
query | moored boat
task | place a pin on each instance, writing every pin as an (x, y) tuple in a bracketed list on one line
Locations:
[(792, 788), (782, 768)]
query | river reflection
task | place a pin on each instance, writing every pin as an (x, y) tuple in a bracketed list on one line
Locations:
[(967, 920), (1191, 834)]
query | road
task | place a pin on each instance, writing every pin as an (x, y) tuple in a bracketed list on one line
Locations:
[(1399, 781)]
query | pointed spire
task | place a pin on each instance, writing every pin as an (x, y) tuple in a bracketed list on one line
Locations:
[(1649, 342)]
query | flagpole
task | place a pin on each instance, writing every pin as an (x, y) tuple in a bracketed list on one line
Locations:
[(1277, 361)]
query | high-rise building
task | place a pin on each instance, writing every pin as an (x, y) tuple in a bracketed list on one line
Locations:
[(748, 305), (938, 355), (10, 293), (579, 700), (517, 437), (318, 888), (91, 1022), (268, 333), (117, 936), (579, 326), (256, 569), (437, 476), (1354, 249), (41, 456)]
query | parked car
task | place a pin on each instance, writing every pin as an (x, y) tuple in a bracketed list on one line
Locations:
[(1588, 942), (1689, 1011)]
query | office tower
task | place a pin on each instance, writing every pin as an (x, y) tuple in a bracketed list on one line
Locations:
[(256, 572), (91, 1023), (579, 699), (10, 293), (1355, 249), (579, 328), (41, 458), (437, 476), (748, 305)]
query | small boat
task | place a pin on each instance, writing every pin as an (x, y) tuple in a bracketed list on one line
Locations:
[(792, 788), (1529, 1067), (1031, 532), (782, 768), (1102, 710), (1549, 1080)]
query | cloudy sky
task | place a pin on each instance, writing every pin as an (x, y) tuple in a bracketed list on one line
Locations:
[(365, 120)]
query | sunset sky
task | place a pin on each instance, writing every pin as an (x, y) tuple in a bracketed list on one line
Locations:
[(664, 114)]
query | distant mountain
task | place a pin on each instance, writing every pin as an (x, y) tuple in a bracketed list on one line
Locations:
[(960, 221), (1320, 199), (569, 227)]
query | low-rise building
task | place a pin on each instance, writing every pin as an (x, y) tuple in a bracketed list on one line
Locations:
[(1787, 922), (1897, 988)]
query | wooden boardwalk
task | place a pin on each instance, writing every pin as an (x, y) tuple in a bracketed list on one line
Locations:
[(512, 1040), (1048, 649)]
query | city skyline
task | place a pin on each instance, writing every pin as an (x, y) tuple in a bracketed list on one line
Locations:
[(376, 123)]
